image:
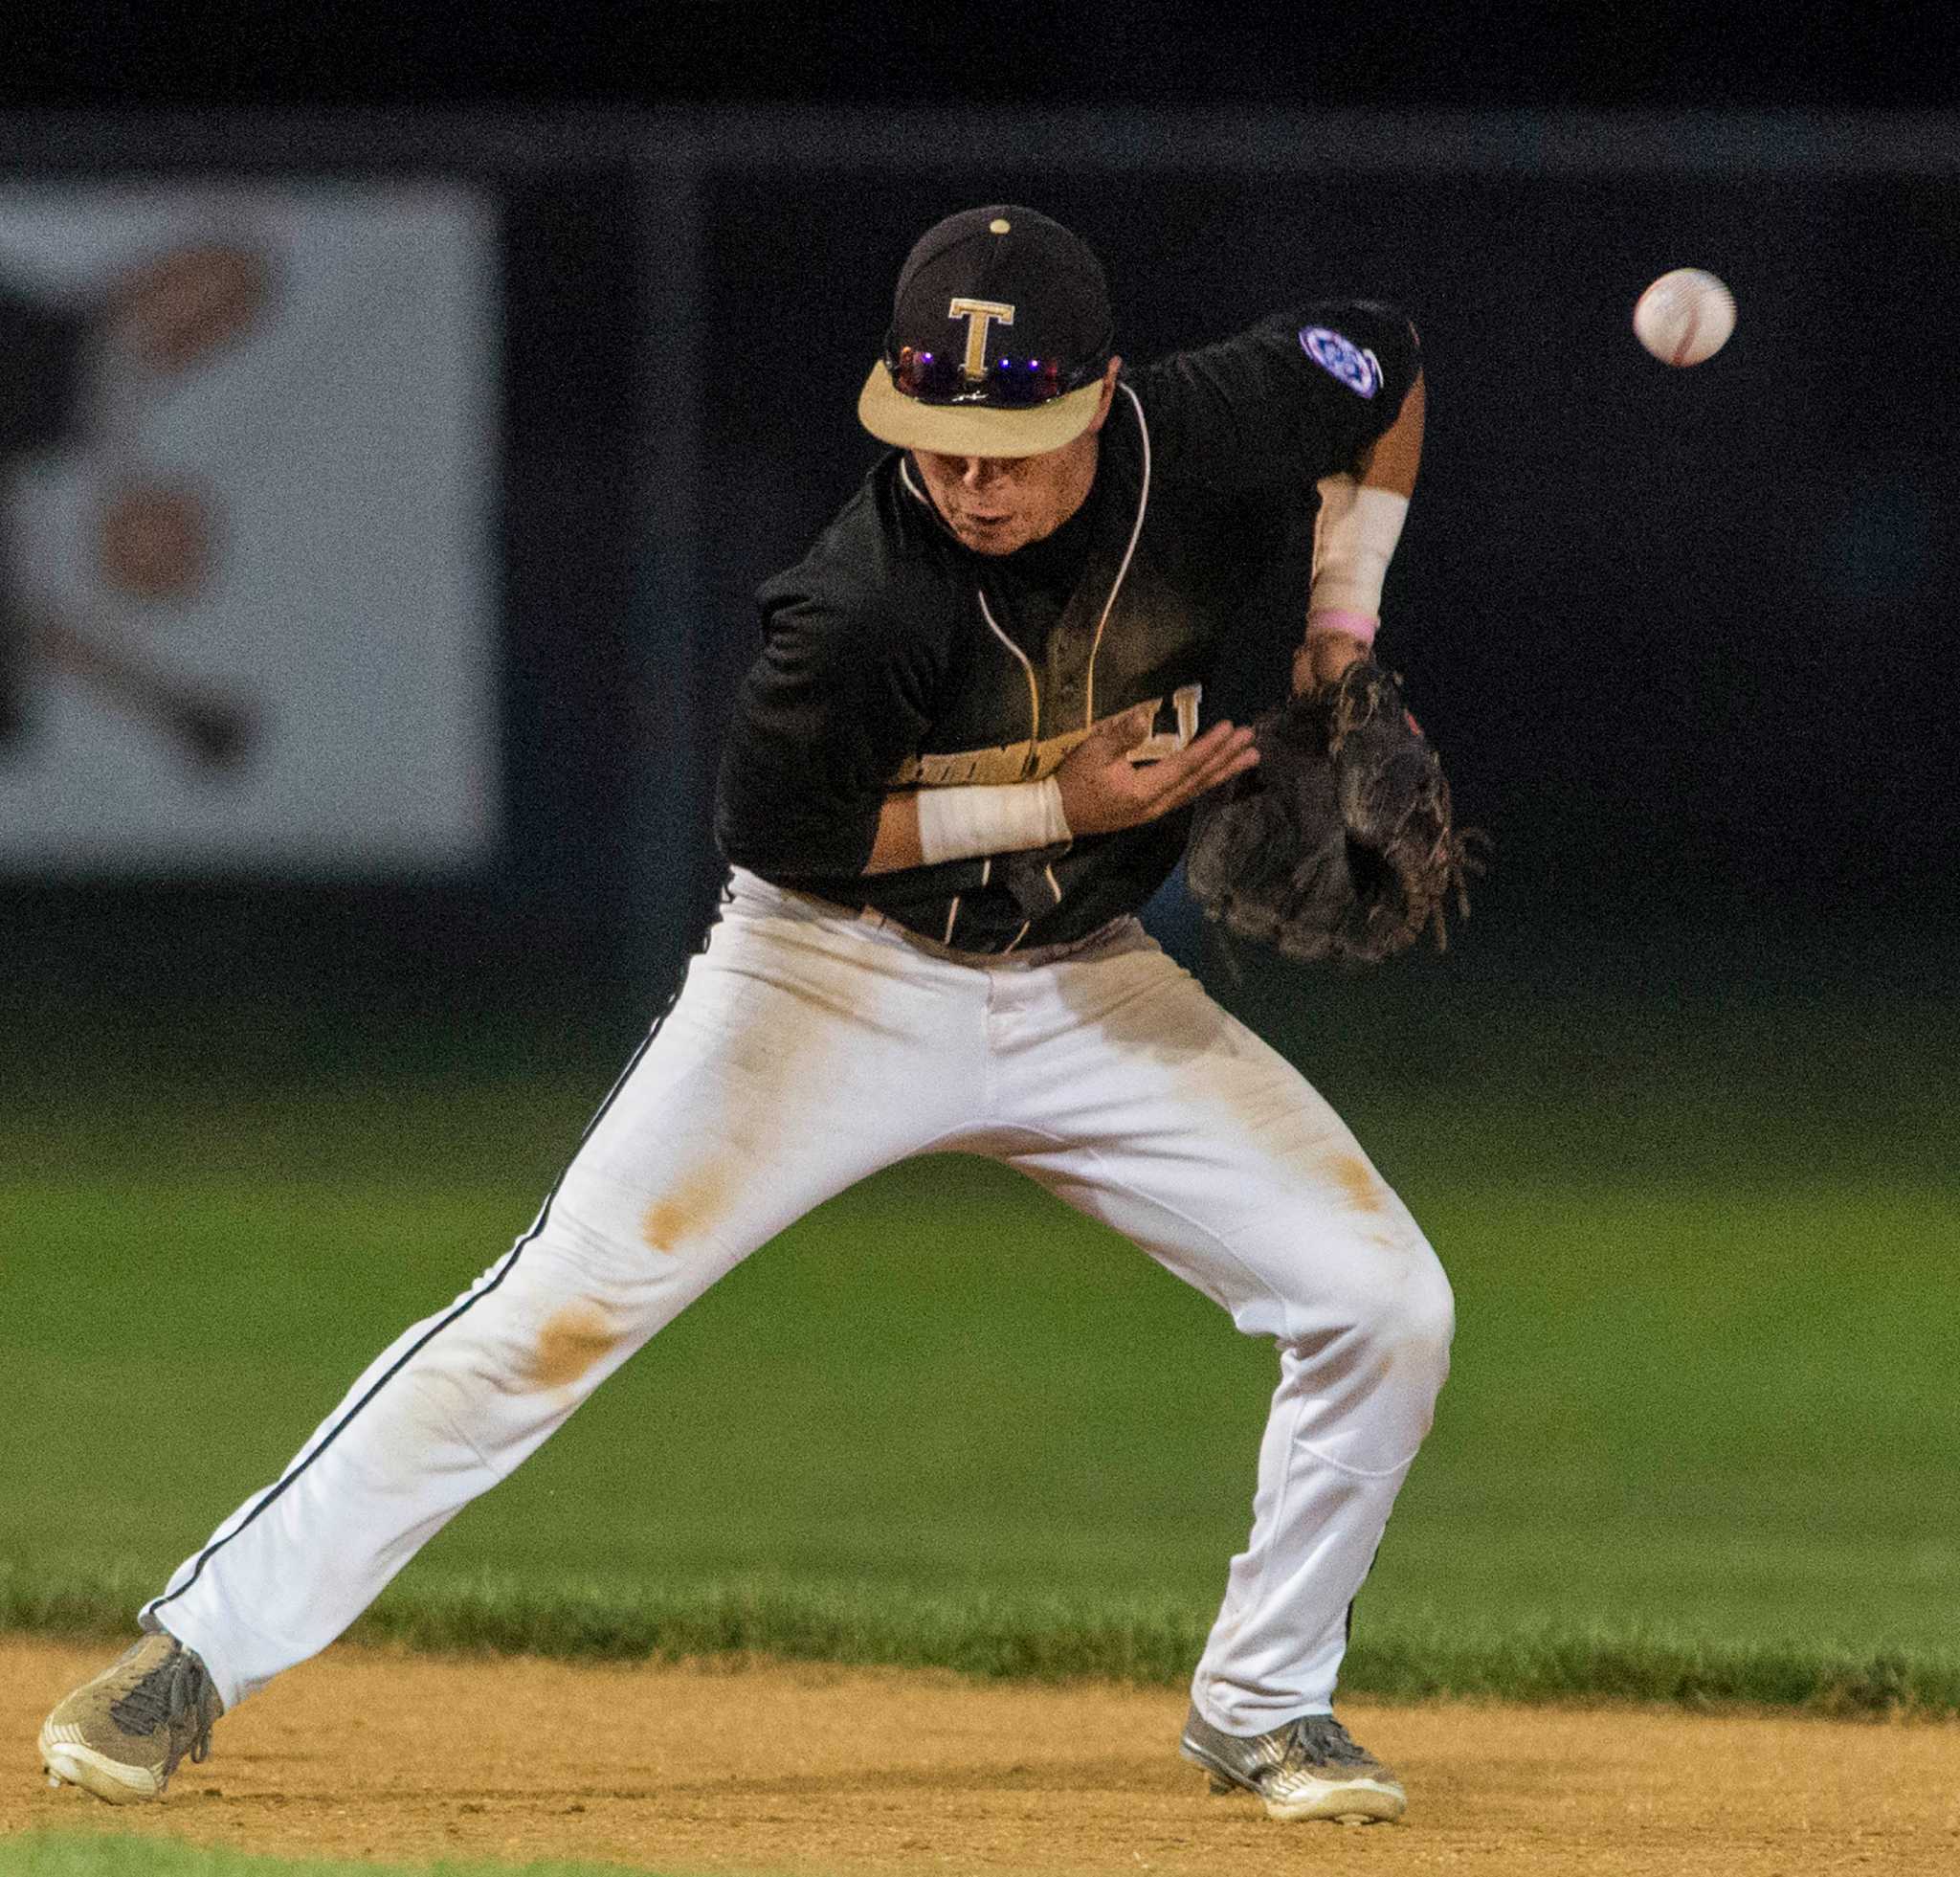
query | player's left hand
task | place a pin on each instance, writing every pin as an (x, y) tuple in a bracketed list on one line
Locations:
[(1344, 846), (1103, 791)]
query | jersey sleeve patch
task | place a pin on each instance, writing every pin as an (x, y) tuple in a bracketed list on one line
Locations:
[(1335, 354)]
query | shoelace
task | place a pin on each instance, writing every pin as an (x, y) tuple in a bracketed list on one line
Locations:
[(1324, 1742), (171, 1697)]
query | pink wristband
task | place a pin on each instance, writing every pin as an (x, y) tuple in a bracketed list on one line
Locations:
[(1359, 626)]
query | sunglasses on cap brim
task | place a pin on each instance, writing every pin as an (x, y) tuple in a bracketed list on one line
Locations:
[(1008, 383)]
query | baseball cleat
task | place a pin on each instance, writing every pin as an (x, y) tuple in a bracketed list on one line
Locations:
[(1306, 1769), (121, 1735)]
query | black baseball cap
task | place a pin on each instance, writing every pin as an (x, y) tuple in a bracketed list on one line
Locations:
[(999, 338)]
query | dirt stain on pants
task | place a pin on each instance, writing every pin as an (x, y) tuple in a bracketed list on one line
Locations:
[(572, 1340)]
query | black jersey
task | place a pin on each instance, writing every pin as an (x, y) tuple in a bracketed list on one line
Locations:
[(895, 657)]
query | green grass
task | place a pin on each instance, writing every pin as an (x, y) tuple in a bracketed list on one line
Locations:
[(1699, 1444), (79, 1854)]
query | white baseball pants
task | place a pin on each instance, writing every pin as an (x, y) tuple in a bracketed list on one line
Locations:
[(808, 1048)]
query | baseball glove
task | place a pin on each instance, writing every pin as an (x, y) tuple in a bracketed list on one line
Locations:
[(1340, 843)]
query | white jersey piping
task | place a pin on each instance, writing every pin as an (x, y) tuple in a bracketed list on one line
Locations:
[(1095, 644), (1136, 529), (1026, 665), (918, 494)]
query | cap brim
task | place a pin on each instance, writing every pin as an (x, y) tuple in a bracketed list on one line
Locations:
[(972, 430)]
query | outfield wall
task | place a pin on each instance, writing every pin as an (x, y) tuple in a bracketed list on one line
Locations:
[(1682, 635)]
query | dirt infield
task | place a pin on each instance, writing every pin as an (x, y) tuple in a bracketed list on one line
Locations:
[(783, 1769)]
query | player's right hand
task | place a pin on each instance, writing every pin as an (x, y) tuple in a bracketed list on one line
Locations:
[(1103, 791)]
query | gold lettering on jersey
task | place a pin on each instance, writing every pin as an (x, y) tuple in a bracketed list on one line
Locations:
[(979, 315), (1010, 762), (1030, 762)]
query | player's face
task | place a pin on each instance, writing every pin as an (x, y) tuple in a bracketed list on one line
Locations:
[(996, 504)]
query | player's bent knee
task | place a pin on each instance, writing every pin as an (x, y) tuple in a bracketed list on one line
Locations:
[(1377, 1348), (1409, 1339), (1417, 1317), (1386, 1290), (1427, 1308)]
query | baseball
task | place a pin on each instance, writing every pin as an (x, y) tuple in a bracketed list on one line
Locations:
[(1684, 317)]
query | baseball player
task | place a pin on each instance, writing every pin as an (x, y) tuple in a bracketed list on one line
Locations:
[(958, 768)]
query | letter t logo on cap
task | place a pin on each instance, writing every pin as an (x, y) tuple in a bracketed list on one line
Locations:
[(978, 314)]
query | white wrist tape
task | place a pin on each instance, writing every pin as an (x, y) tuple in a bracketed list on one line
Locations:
[(961, 823), (1354, 537)]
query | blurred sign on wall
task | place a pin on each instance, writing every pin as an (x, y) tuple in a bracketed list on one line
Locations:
[(249, 611)]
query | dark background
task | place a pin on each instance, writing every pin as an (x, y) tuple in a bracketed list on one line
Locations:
[(1830, 55), (1684, 637)]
